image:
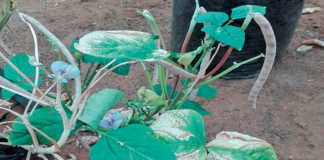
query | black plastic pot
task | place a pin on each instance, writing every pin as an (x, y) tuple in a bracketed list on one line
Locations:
[(13, 153), (282, 14)]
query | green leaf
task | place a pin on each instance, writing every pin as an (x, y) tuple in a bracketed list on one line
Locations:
[(229, 35), (207, 92), (22, 62), (158, 90), (237, 146), (243, 11), (135, 142), (120, 44), (183, 130), (98, 104), (6, 95), (194, 106), (122, 70), (215, 18), (46, 119)]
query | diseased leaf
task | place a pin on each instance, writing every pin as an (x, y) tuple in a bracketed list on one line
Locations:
[(206, 91), (237, 146), (215, 18), (98, 104), (120, 44), (243, 11), (183, 130), (135, 142), (229, 35)]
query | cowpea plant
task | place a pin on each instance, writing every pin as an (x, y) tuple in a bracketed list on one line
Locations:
[(164, 122)]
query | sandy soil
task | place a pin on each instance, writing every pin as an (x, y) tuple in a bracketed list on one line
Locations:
[(290, 111)]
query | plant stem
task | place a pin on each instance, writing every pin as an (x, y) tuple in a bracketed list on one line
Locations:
[(67, 91), (5, 84), (163, 82), (176, 81), (192, 26), (148, 76), (88, 72), (245, 24), (220, 64), (88, 80), (64, 50), (233, 67), (19, 71), (37, 62)]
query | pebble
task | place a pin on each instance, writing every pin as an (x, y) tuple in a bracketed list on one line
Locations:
[(304, 48), (311, 10)]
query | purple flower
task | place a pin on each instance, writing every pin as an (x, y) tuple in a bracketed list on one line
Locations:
[(113, 122), (67, 71)]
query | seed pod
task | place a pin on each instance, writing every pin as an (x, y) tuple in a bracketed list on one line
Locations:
[(271, 48)]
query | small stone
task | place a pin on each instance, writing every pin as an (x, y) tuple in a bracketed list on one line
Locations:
[(304, 48), (311, 10), (87, 141)]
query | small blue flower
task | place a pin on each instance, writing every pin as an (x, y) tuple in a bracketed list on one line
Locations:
[(113, 122), (67, 71)]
